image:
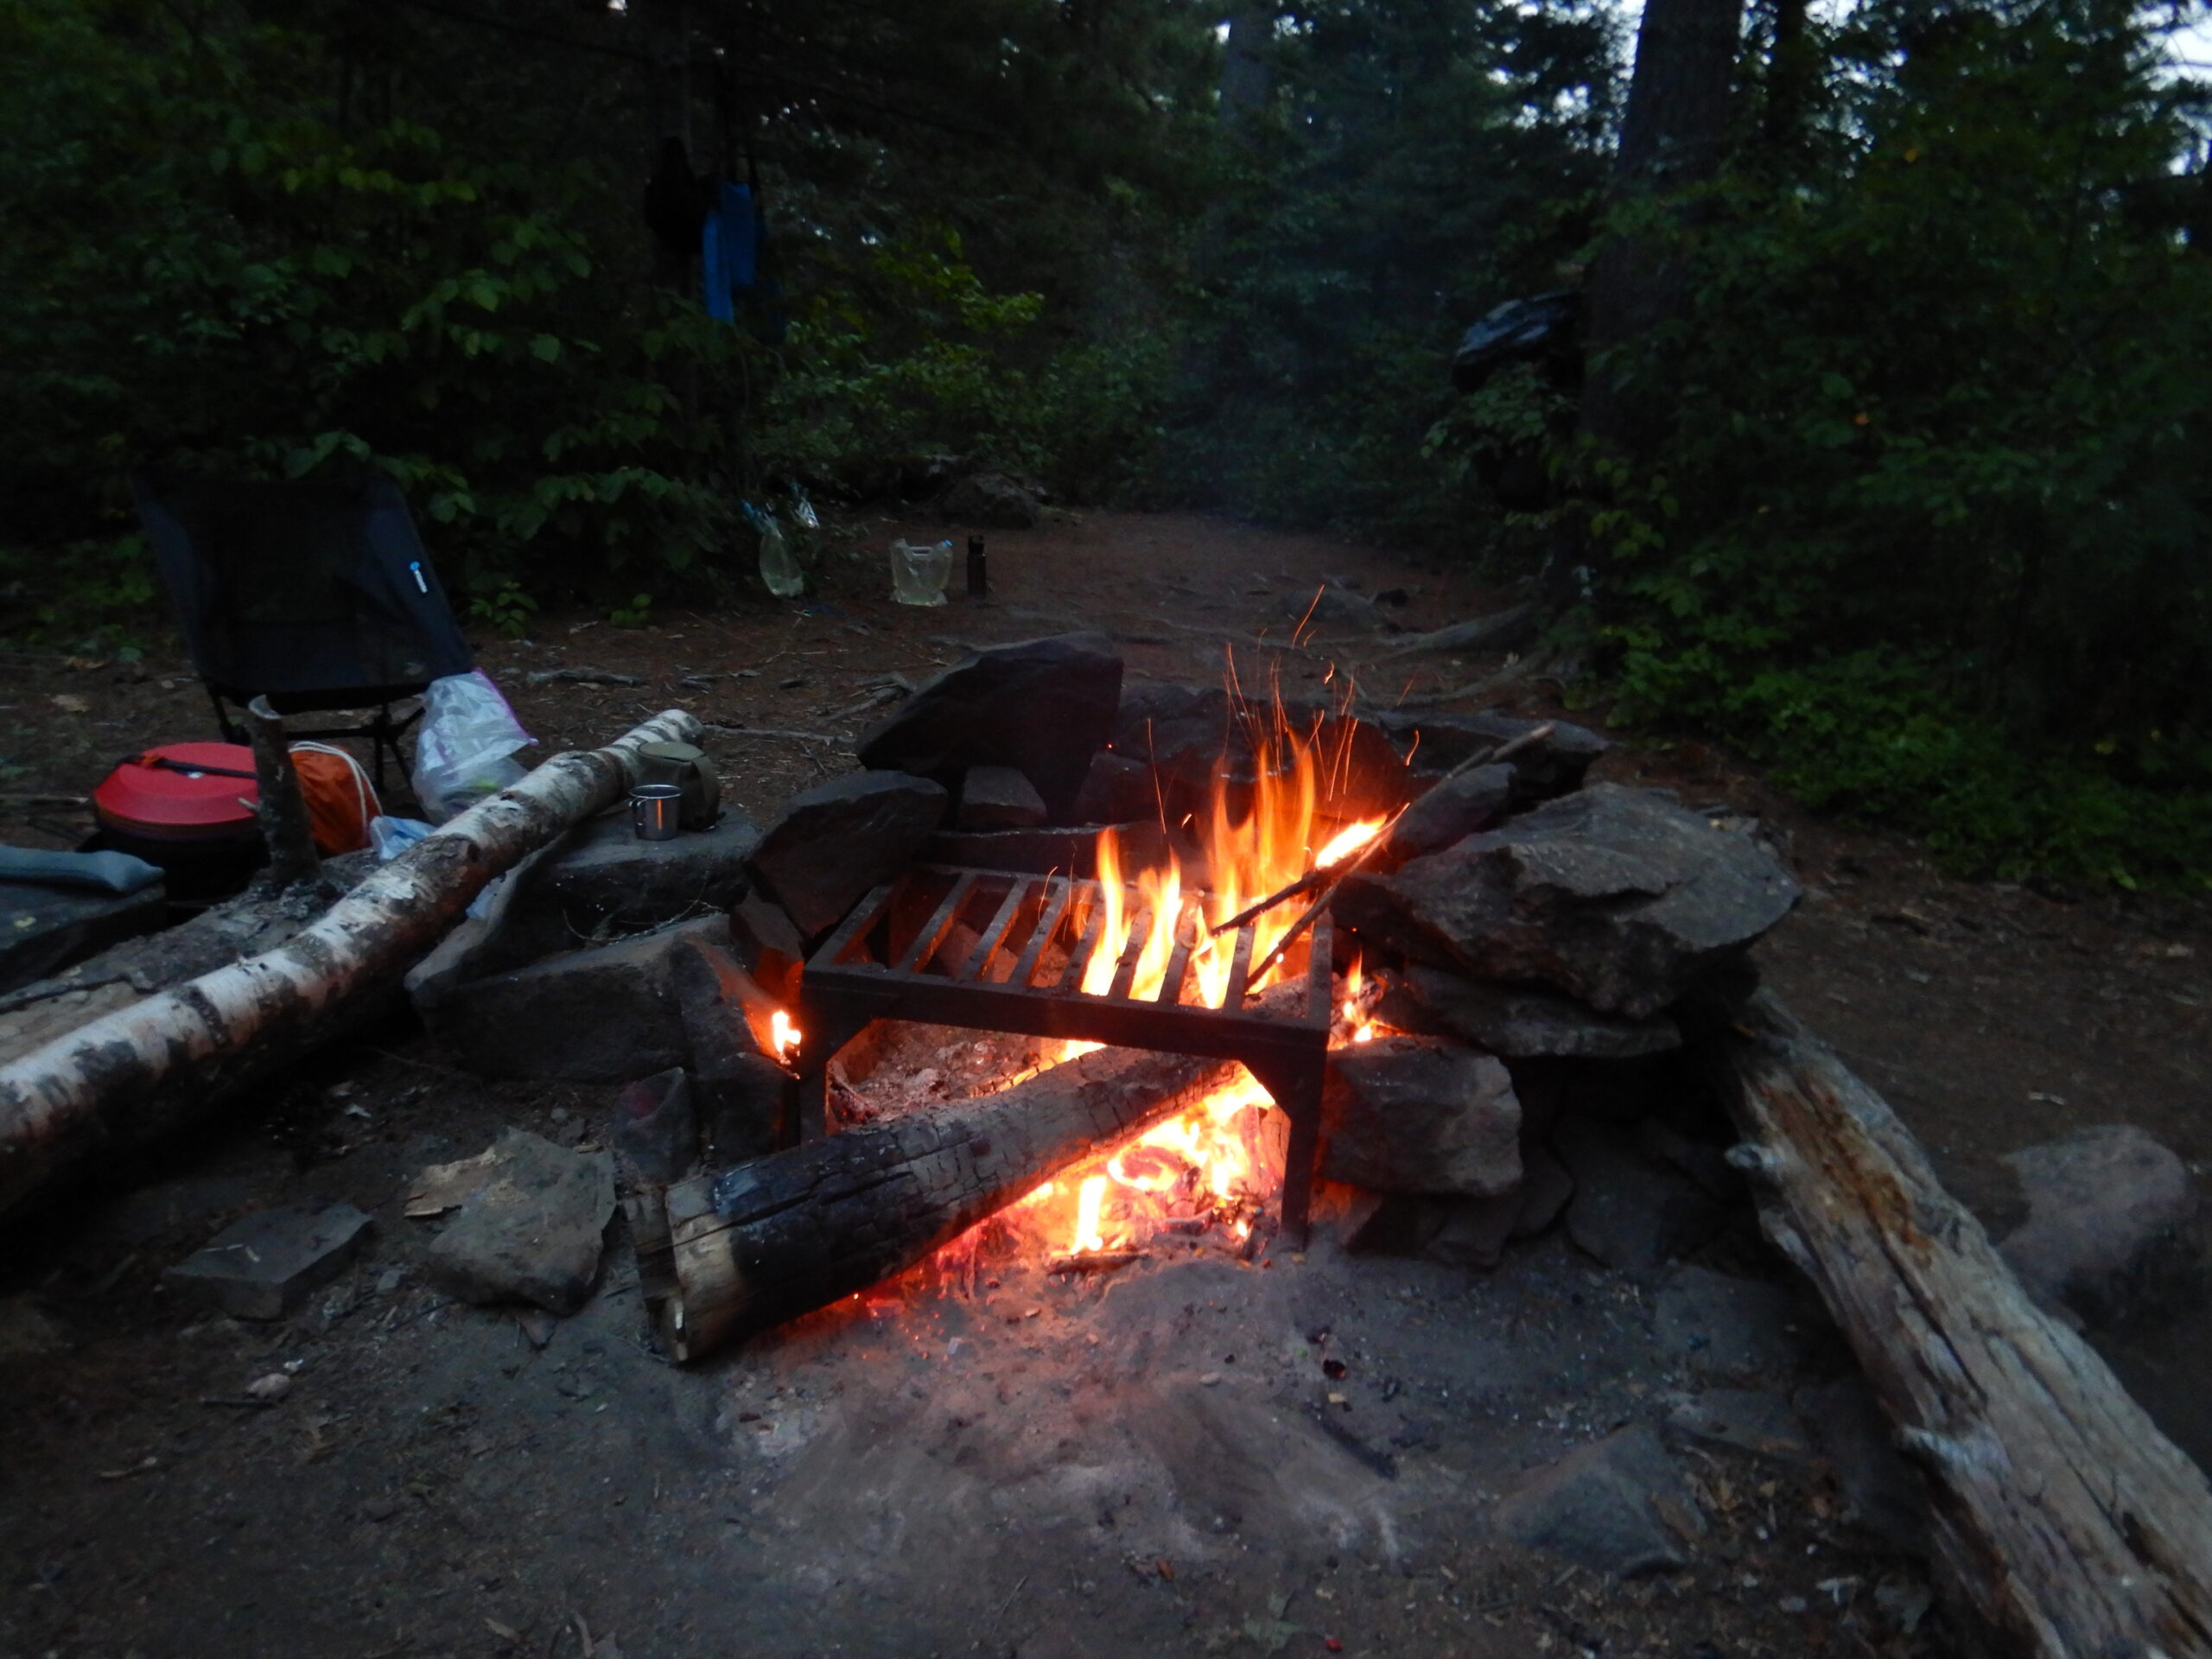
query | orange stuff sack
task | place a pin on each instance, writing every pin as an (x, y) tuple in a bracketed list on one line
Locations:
[(339, 801)]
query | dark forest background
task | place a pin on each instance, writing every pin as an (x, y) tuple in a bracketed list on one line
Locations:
[(1890, 464)]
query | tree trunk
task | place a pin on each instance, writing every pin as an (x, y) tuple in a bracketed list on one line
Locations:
[(2063, 1519), (1790, 71), (1671, 137), (283, 807), (775, 1238), (136, 1072), (1247, 78)]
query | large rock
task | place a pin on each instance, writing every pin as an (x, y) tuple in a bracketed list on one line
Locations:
[(2110, 1229), (1043, 707), (835, 842), (1516, 1021), (605, 1014), (998, 797), (600, 882), (1551, 767), (742, 1099), (994, 500), (531, 1231), (1455, 809), (264, 1265), (1631, 1214), (1618, 1505), (1621, 896), (1414, 1115), (1474, 1232)]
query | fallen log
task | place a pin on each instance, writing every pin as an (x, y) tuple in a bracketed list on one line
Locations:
[(135, 1073), (776, 1237), (2065, 1523), (1499, 632)]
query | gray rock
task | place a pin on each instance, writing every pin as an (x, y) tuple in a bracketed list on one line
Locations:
[(531, 1233), (1516, 1021), (656, 1132), (1546, 1188), (998, 797), (1619, 1505), (1552, 766), (263, 1265), (765, 939), (605, 1015), (1327, 606), (1744, 1418), (2110, 1231), (600, 882), (1474, 1232), (836, 841), (1887, 1494), (1415, 1115), (994, 500), (741, 1099), (1043, 707), (1116, 789), (1621, 896), (1455, 809), (1717, 1325), (1631, 1214)]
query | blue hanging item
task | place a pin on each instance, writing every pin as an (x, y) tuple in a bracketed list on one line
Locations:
[(730, 247)]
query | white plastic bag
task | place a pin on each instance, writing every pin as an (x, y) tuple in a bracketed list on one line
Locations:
[(465, 748)]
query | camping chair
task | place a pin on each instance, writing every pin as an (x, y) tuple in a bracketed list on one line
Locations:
[(316, 594)]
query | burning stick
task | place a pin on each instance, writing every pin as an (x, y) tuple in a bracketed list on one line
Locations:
[(1095, 1261), (1527, 740), (1314, 877)]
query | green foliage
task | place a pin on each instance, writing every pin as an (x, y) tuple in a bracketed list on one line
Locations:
[(1942, 405), (635, 614), (506, 609)]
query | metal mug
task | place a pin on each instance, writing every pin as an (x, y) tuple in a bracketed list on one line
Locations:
[(686, 765), (654, 811)]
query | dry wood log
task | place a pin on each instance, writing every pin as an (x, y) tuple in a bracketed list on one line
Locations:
[(2064, 1521), (1500, 631), (283, 805), (136, 1072), (770, 1240)]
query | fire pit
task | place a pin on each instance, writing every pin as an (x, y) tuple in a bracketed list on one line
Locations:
[(1105, 979)]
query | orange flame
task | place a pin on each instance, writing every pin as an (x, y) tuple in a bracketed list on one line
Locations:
[(786, 1036)]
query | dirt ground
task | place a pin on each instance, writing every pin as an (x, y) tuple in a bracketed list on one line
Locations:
[(931, 1471)]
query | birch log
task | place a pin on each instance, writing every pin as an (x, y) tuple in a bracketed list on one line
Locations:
[(772, 1239), (136, 1072), (2063, 1519)]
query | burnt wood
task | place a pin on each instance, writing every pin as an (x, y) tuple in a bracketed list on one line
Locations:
[(2062, 1518), (748, 1248)]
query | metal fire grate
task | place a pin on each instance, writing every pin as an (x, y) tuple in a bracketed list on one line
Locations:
[(889, 960)]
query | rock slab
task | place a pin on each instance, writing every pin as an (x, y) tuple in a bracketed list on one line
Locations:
[(836, 841), (263, 1265), (1629, 1213), (1043, 707), (998, 797), (1416, 1114), (2110, 1226), (531, 1232), (1456, 808), (1619, 1505), (1518, 1022), (1620, 896), (605, 1014)]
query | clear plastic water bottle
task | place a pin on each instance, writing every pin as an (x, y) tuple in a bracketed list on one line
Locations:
[(919, 573), (780, 568)]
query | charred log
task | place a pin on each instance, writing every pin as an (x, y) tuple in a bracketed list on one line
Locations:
[(770, 1240)]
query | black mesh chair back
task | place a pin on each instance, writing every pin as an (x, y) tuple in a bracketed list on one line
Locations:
[(317, 595)]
